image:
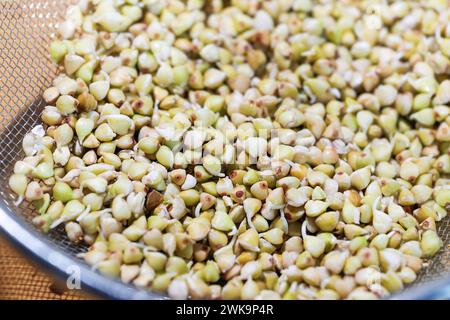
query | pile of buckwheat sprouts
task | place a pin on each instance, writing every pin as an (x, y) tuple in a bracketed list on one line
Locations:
[(247, 149)]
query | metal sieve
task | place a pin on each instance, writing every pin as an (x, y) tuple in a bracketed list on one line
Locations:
[(26, 70)]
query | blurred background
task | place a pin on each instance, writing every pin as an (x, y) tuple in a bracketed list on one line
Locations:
[(20, 279)]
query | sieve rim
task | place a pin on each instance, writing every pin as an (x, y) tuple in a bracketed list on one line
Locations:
[(20, 233), (40, 247), (58, 263)]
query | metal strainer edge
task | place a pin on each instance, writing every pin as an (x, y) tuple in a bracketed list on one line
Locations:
[(56, 262), (35, 245)]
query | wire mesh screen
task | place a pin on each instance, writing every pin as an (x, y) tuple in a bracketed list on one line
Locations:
[(26, 70)]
